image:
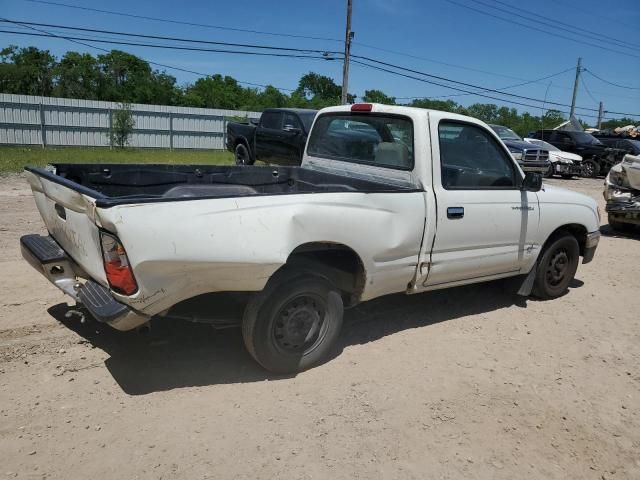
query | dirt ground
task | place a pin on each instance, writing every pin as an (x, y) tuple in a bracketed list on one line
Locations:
[(473, 382)]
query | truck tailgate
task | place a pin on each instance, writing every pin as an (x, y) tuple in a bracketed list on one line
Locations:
[(69, 218)]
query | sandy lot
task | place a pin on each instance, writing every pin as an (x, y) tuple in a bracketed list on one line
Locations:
[(473, 382)]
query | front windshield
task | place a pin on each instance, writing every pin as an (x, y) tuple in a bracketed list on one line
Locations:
[(505, 133), (543, 144), (636, 146), (585, 138)]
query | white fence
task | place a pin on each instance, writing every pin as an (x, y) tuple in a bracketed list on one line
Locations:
[(49, 121)]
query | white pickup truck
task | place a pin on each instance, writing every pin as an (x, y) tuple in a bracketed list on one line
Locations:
[(388, 199)]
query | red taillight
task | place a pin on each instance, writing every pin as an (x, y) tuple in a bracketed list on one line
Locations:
[(116, 265), (361, 107)]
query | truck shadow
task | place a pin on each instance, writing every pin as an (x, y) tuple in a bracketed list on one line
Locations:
[(176, 354)]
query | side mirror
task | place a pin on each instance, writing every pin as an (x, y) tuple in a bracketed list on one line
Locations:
[(532, 182), (291, 129)]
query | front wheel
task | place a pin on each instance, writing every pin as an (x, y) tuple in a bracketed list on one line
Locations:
[(557, 266), (590, 168), (294, 324), (242, 155), (550, 171)]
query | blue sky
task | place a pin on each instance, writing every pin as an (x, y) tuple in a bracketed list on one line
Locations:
[(493, 53)]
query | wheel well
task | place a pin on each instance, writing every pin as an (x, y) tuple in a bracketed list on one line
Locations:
[(578, 231), (239, 141), (338, 263)]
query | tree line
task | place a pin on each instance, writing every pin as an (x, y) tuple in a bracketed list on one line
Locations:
[(118, 76)]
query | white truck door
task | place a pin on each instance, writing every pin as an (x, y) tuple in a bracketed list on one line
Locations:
[(486, 225)]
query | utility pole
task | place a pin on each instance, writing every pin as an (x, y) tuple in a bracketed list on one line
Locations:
[(575, 88), (600, 115), (347, 49)]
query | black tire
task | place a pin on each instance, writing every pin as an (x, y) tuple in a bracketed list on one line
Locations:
[(242, 155), (550, 171), (557, 266), (567, 176), (590, 168), (294, 323)]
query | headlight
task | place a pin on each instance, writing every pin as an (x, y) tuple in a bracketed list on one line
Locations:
[(617, 178), (516, 155)]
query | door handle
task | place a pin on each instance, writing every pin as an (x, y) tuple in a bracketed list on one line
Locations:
[(455, 212)]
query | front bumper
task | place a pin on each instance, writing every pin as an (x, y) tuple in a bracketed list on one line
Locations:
[(49, 259), (535, 166), (568, 169), (590, 246)]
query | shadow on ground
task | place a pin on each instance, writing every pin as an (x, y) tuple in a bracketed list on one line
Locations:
[(176, 354), (631, 231)]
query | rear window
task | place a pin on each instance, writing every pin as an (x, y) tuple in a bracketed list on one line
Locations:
[(378, 140)]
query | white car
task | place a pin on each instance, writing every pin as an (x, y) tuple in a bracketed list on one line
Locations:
[(388, 199), (563, 163)]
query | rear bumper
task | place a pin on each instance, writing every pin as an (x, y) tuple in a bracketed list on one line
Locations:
[(50, 260)]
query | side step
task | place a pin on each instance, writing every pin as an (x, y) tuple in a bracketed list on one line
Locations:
[(45, 249), (98, 300)]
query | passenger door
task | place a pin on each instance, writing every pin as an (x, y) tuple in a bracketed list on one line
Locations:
[(268, 136), (486, 226)]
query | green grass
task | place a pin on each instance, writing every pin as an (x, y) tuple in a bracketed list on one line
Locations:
[(14, 159)]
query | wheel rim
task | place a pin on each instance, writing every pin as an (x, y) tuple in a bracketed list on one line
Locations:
[(242, 156), (300, 325), (558, 267), (588, 169)]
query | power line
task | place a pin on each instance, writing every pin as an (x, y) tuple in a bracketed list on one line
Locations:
[(171, 47), (80, 40), (375, 67), (579, 31), (179, 22), (163, 65), (173, 39), (465, 84), (505, 88), (610, 83), (541, 30), (586, 89)]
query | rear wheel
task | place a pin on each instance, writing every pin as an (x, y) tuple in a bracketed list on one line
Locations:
[(294, 324), (557, 266), (243, 157), (590, 168)]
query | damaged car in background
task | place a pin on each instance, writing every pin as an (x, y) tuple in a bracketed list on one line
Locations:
[(565, 164), (622, 193)]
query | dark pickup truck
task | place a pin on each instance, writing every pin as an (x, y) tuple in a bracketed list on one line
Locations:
[(278, 138), (597, 157), (531, 158)]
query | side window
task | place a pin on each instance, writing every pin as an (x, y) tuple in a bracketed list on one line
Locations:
[(271, 120), (290, 120), (471, 158)]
